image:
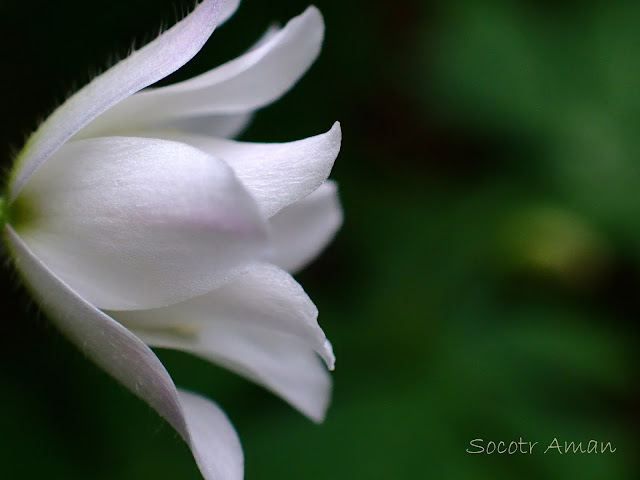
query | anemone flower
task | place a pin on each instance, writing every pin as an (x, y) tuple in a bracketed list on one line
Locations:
[(135, 221)]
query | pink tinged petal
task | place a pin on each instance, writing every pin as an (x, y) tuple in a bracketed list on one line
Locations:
[(253, 80), (124, 356), (163, 56), (303, 229), (133, 223), (276, 174), (262, 325)]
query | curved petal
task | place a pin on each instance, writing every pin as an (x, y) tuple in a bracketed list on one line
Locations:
[(276, 174), (120, 353), (303, 229), (269, 33), (292, 371), (214, 442), (153, 62), (221, 126), (253, 80), (262, 325), (134, 223), (227, 9)]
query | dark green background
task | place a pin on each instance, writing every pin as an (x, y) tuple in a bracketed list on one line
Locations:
[(486, 283)]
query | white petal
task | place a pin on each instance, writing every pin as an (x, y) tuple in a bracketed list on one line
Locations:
[(164, 55), (303, 229), (276, 174), (266, 36), (120, 353), (138, 223), (222, 126), (253, 80), (227, 9), (215, 443), (261, 325), (272, 360)]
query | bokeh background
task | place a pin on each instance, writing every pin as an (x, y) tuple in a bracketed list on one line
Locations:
[(486, 283)]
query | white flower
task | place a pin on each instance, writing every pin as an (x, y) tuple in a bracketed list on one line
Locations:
[(135, 221)]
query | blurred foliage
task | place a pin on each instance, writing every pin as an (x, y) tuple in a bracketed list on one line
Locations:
[(485, 284)]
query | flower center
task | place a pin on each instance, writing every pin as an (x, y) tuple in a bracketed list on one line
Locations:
[(20, 214)]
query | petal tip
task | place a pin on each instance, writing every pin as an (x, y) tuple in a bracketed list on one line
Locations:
[(313, 22), (318, 412), (226, 9), (313, 11), (336, 130), (328, 356), (334, 137)]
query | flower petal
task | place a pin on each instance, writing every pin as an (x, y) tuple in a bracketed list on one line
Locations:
[(134, 223), (227, 9), (269, 33), (153, 62), (276, 174), (303, 229), (262, 325), (222, 126), (214, 442), (253, 80), (120, 353)]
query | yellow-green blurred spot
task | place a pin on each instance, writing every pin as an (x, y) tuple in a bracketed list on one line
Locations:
[(558, 242)]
